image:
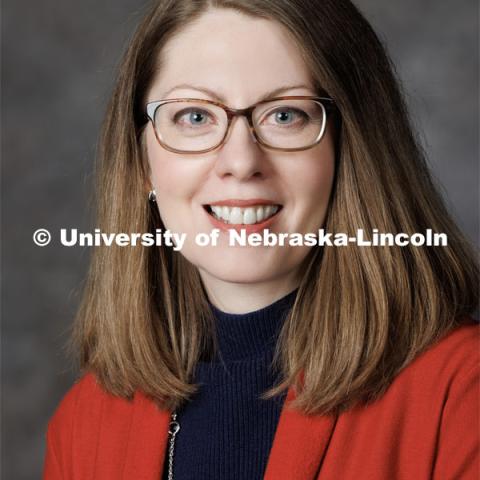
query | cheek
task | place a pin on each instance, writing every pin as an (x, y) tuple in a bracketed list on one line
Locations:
[(318, 185), (311, 185), (175, 178)]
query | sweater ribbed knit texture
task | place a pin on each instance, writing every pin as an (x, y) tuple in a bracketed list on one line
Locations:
[(226, 430)]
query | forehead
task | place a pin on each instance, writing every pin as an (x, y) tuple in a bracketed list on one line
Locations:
[(238, 56)]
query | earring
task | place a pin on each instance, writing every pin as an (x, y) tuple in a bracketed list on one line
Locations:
[(152, 196)]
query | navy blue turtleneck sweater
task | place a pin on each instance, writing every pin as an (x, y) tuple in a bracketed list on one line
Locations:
[(226, 430)]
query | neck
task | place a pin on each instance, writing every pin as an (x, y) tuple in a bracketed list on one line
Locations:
[(231, 297)]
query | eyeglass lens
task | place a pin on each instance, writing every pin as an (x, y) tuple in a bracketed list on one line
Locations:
[(195, 126)]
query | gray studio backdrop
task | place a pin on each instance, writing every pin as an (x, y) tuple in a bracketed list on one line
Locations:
[(58, 64)]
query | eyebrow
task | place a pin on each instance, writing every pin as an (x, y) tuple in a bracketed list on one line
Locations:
[(220, 98)]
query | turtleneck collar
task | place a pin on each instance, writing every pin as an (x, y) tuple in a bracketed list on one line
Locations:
[(242, 336)]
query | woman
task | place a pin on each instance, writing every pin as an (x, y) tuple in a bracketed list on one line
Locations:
[(293, 362)]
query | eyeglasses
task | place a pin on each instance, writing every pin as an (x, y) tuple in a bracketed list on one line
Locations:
[(191, 125)]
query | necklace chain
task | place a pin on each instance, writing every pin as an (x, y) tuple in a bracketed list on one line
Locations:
[(173, 430)]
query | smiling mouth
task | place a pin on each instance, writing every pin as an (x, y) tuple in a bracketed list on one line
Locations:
[(243, 216)]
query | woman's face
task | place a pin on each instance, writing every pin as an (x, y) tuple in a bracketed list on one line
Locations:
[(240, 59)]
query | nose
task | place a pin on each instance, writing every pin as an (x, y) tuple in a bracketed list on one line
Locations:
[(240, 155)]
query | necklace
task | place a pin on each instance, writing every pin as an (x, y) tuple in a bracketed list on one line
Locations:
[(174, 427)]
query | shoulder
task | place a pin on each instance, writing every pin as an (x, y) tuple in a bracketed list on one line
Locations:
[(85, 414), (438, 372), (87, 406), (452, 369), (84, 390), (83, 400), (444, 370), (454, 355), (425, 421), (457, 355), (439, 384), (88, 400), (92, 428)]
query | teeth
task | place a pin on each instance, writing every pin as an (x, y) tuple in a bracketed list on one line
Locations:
[(260, 212), (217, 210), (244, 216), (236, 215), (250, 216)]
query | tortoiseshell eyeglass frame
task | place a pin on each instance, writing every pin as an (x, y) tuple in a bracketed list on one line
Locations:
[(328, 106)]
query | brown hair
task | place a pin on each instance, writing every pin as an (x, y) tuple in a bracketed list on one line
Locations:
[(361, 314)]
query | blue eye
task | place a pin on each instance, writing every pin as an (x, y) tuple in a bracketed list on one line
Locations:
[(283, 116), (197, 117), (287, 116), (192, 116)]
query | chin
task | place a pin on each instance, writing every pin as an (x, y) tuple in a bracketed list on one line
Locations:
[(247, 271), (242, 275)]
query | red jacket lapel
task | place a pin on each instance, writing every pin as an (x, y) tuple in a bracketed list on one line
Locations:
[(147, 441), (299, 444)]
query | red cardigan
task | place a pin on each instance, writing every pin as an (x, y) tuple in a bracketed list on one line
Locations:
[(426, 426)]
